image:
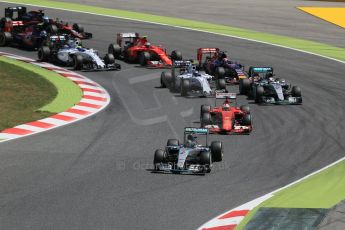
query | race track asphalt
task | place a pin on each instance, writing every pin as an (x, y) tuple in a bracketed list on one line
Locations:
[(270, 16), (94, 174)]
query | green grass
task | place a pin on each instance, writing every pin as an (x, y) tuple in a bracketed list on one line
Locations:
[(68, 93), (323, 190), (309, 46), (22, 93)]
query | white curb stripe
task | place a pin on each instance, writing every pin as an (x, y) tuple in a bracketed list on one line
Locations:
[(30, 127)]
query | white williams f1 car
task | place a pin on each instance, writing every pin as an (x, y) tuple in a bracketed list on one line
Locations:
[(185, 79), (71, 53)]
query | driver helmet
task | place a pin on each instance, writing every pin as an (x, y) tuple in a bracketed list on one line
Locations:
[(190, 143), (226, 106), (270, 79), (45, 19), (148, 44), (43, 33)]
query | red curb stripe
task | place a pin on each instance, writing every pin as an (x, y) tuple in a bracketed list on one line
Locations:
[(94, 98), (52, 68), (17, 131), (85, 83), (40, 124), (89, 105), (78, 111), (225, 227), (234, 214), (93, 90), (70, 75), (63, 117)]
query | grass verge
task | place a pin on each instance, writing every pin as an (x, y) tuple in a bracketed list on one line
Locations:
[(22, 93), (323, 190), (68, 93), (29, 93)]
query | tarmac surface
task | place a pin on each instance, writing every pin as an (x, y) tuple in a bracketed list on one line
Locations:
[(95, 174)]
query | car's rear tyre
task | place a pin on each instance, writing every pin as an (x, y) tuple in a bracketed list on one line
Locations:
[(176, 55), (247, 120), (159, 158), (173, 142), (109, 59), (204, 109), (217, 151), (78, 27), (52, 29), (219, 73), (206, 161), (144, 57), (115, 50), (184, 87), (44, 53), (78, 62), (259, 94), (296, 91), (205, 119), (245, 108), (5, 38), (244, 86), (221, 84), (166, 79)]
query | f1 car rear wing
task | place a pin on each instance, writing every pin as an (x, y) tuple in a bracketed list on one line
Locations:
[(259, 70), (193, 130), (179, 67), (181, 64), (128, 35), (231, 96), (226, 95), (196, 131), (57, 39), (21, 10)]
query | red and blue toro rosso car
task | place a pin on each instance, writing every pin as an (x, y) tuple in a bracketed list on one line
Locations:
[(38, 17), (226, 119), (136, 49), (217, 64)]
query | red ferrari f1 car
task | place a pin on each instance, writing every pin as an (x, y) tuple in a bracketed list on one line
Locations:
[(226, 119), (133, 48)]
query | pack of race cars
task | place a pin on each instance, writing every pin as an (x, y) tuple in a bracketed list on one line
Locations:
[(60, 43)]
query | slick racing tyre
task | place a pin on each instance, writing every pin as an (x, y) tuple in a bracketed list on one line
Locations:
[(5, 38), (219, 73), (109, 59), (78, 62), (259, 93), (184, 87), (52, 29), (221, 84), (44, 53), (296, 91), (159, 158), (245, 108), (144, 57), (173, 142), (204, 109), (247, 120), (205, 119), (244, 86), (78, 27), (166, 79), (217, 151), (115, 50), (206, 161), (176, 55)]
